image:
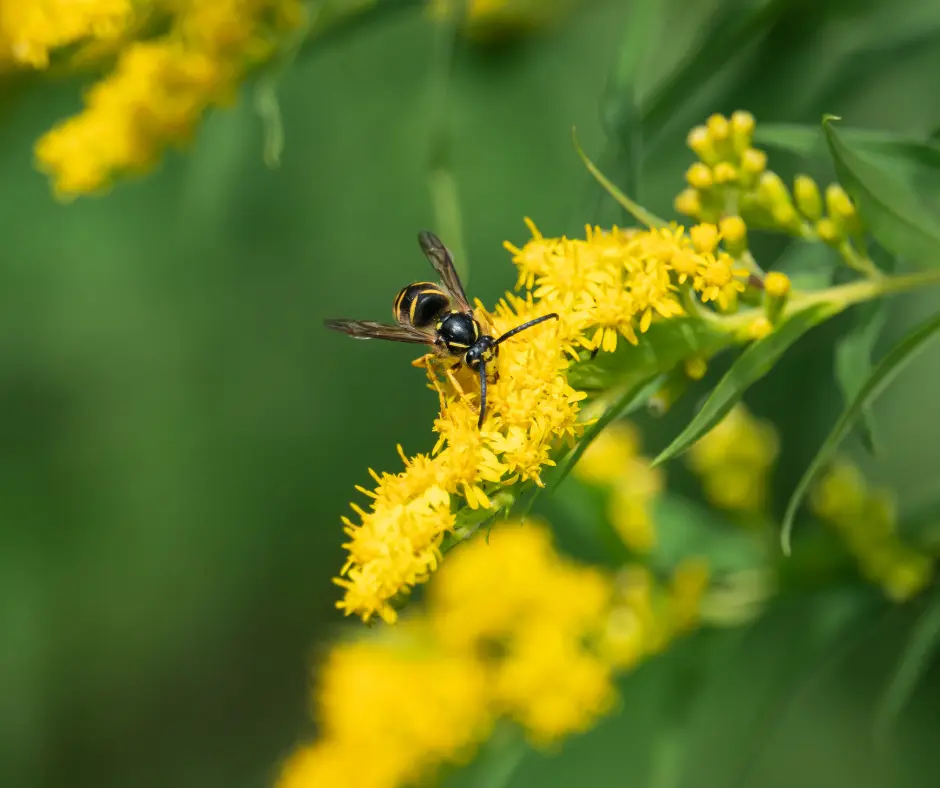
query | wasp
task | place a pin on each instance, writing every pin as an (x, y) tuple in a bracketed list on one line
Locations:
[(440, 316)]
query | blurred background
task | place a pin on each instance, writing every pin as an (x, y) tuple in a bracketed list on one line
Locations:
[(180, 434)]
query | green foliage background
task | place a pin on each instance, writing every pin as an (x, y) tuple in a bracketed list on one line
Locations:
[(180, 434)]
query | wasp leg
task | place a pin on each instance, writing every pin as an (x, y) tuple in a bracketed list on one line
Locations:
[(456, 384), (423, 361)]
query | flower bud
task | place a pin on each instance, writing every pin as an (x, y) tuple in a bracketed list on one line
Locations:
[(841, 209), (699, 176), (759, 328), (725, 172), (753, 161), (696, 367), (828, 232), (808, 199), (734, 234), (776, 293), (771, 190), (785, 216), (688, 202), (742, 130), (777, 284), (700, 141), (704, 238), (718, 128), (838, 203)]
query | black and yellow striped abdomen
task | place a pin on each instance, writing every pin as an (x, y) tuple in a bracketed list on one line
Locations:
[(421, 304)]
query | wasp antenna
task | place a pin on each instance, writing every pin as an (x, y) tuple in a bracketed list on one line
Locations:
[(482, 393), (524, 326)]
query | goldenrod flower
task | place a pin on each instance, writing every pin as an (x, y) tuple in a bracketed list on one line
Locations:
[(160, 89), (390, 712), (867, 522), (32, 29), (613, 460), (511, 630), (610, 283)]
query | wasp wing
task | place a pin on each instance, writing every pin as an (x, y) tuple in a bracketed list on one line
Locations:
[(443, 263), (369, 329)]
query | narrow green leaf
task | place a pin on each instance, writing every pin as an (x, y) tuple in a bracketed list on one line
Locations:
[(620, 106), (755, 362), (808, 141), (893, 213), (887, 369), (496, 762), (732, 29), (637, 211), (796, 138), (631, 399), (266, 102), (923, 643), (853, 362)]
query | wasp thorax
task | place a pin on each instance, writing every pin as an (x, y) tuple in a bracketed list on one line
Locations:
[(457, 332), (421, 304)]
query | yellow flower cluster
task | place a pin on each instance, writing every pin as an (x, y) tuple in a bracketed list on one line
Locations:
[(867, 522), (613, 462), (31, 29), (160, 88), (731, 178), (734, 461), (728, 166), (511, 631), (612, 283)]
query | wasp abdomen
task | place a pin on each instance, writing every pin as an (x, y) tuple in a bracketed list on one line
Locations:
[(421, 304)]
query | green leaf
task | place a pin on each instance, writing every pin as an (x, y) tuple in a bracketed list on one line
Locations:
[(732, 29), (923, 643), (629, 401), (880, 378), (620, 108), (499, 758), (802, 140), (809, 141), (853, 362), (755, 362), (888, 203), (266, 103), (637, 211)]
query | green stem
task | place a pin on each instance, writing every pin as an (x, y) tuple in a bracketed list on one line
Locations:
[(747, 260), (842, 296), (859, 262)]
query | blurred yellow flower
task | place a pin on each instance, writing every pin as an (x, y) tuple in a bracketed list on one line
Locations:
[(532, 616), (734, 461), (867, 522), (613, 460), (611, 454), (160, 89), (32, 29), (389, 713), (511, 630)]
